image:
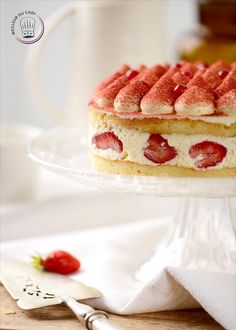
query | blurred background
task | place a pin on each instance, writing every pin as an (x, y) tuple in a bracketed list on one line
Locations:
[(51, 81), (148, 32)]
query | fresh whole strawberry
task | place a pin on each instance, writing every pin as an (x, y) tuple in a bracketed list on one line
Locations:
[(158, 149), (207, 153), (59, 261), (106, 140)]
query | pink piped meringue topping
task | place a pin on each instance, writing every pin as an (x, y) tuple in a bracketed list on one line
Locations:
[(124, 68), (129, 98), (195, 101), (227, 103), (160, 98), (106, 96), (219, 65), (228, 84), (211, 78), (184, 89)]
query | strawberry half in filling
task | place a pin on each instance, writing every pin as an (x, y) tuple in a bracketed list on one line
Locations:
[(207, 154), (158, 150), (107, 140)]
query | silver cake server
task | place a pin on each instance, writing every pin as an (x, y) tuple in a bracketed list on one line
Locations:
[(33, 289)]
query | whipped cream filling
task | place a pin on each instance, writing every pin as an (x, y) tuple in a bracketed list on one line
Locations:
[(134, 143)]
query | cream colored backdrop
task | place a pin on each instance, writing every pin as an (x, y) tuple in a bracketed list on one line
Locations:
[(152, 27)]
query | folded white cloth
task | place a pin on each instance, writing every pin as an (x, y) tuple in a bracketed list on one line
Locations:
[(110, 260)]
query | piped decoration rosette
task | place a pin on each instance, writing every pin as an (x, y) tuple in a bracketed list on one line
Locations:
[(184, 89)]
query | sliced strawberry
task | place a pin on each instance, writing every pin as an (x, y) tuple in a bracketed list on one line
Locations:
[(179, 90), (59, 261), (178, 65), (188, 74), (107, 140), (158, 149), (130, 74), (207, 153), (223, 73)]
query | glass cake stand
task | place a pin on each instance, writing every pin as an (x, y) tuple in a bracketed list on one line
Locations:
[(203, 232)]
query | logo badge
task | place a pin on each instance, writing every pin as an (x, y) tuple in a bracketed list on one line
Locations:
[(27, 27)]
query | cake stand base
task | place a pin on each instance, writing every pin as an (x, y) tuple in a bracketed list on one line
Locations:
[(202, 237)]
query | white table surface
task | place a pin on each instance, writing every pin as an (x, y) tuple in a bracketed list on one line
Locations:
[(62, 205)]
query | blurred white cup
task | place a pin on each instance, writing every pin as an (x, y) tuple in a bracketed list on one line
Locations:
[(106, 34), (18, 173)]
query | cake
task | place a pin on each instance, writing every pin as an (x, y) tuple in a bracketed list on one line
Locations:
[(166, 120)]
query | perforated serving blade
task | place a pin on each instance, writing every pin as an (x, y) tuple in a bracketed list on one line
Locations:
[(32, 288)]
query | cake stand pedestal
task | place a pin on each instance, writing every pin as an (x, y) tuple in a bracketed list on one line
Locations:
[(203, 232), (202, 237)]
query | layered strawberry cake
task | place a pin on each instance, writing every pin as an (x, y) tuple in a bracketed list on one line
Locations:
[(166, 120)]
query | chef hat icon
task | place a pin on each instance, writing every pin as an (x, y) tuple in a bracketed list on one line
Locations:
[(27, 25)]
